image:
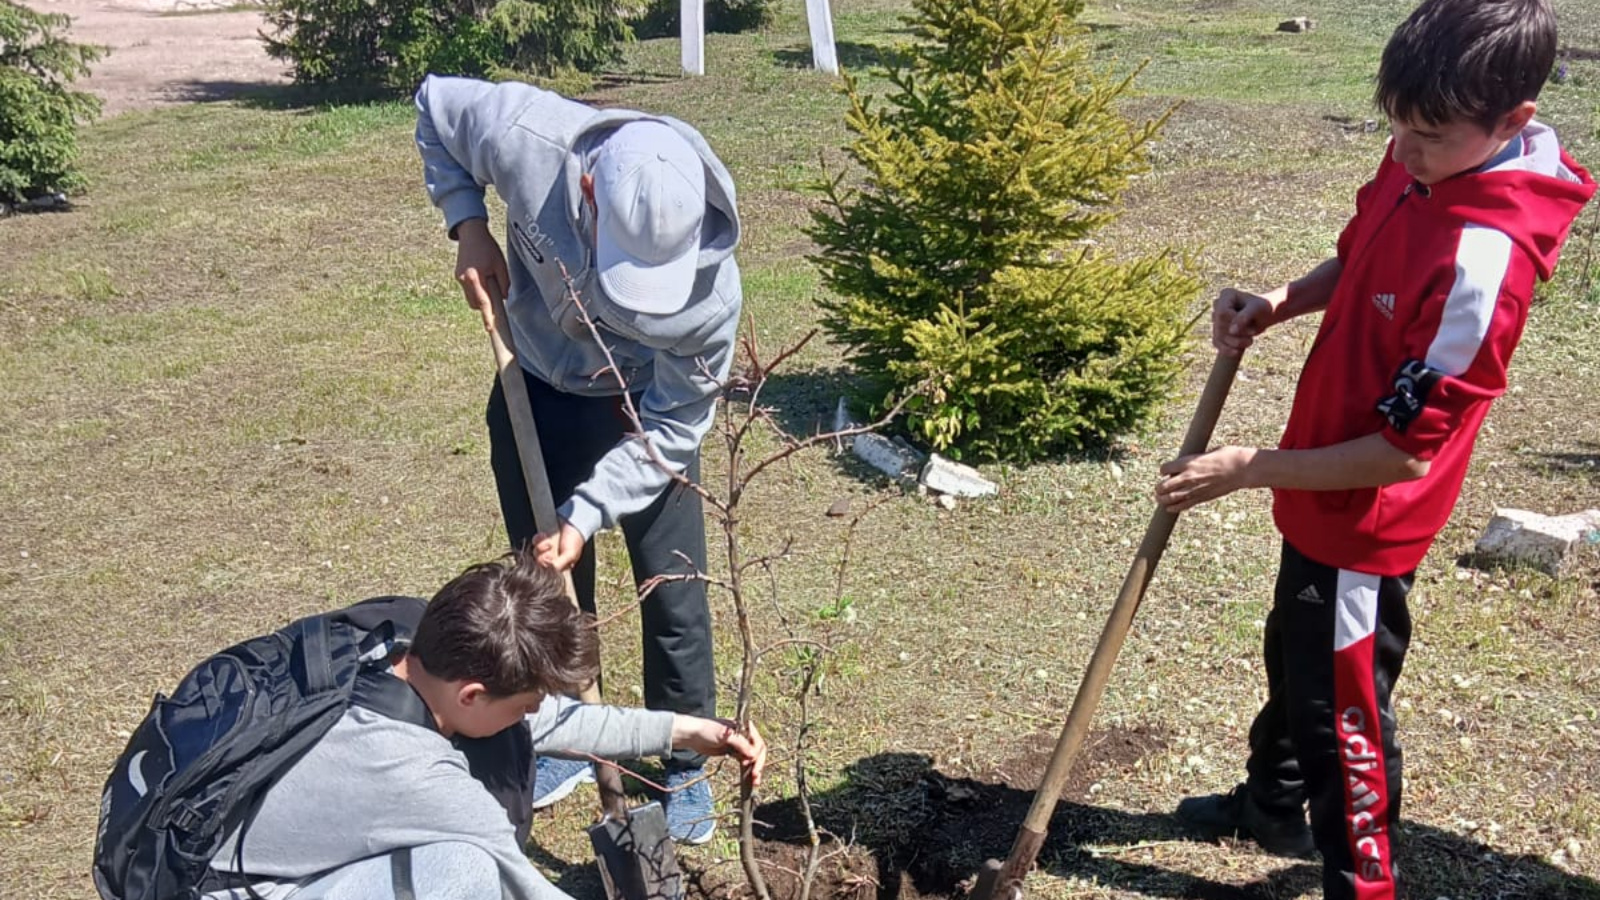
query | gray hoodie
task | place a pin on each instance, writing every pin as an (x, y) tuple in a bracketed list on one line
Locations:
[(373, 785), (531, 144)]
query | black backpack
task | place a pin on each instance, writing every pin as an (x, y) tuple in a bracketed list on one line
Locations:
[(197, 765)]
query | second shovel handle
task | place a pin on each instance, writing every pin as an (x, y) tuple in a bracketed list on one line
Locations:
[(1004, 882)]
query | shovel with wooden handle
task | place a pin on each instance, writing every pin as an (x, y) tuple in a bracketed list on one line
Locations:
[(634, 850), (1000, 881)]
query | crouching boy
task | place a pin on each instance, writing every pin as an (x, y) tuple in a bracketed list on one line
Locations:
[(1422, 309), (420, 787)]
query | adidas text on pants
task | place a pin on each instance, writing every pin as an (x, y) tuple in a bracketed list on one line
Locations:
[(1334, 645)]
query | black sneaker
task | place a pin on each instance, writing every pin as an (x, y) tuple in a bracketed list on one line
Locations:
[(1235, 814)]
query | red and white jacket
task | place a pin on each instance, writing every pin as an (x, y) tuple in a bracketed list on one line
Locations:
[(1416, 340)]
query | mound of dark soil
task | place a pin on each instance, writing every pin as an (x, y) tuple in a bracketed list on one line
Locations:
[(899, 829)]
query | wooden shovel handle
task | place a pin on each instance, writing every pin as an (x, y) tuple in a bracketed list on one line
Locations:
[(529, 454), (1005, 882)]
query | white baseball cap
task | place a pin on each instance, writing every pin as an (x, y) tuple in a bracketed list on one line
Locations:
[(650, 200)]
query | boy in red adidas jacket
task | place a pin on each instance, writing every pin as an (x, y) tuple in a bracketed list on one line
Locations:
[(1422, 309)]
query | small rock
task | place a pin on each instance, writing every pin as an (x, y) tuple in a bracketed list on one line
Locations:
[(960, 793), (1519, 537), (885, 455), (946, 502), (948, 477), (1297, 25), (840, 507), (1574, 849)]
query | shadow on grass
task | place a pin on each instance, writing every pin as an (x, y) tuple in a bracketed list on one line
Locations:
[(852, 56), (1584, 462), (930, 834), (275, 96), (804, 402), (606, 81)]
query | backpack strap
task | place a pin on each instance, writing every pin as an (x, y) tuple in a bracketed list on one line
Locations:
[(379, 690)]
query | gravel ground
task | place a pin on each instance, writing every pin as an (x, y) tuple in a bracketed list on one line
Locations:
[(166, 52)]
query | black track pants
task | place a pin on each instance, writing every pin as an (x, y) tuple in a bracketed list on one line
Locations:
[(576, 431), (1335, 644)]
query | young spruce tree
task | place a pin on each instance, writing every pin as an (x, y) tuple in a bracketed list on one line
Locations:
[(960, 259), (39, 110)]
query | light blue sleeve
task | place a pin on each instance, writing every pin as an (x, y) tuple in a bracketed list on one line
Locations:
[(677, 411), (563, 726), (460, 126)]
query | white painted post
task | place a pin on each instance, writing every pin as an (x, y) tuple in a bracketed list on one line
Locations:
[(821, 22), (692, 30)]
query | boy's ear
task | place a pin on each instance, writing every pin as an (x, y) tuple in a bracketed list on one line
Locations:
[(1512, 123), (471, 692)]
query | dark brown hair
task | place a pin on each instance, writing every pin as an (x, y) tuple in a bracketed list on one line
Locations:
[(1467, 60), (509, 625)]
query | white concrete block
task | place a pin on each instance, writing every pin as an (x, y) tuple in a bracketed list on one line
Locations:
[(949, 477), (1542, 542), (886, 456)]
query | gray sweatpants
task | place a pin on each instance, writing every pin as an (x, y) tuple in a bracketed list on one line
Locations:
[(448, 870)]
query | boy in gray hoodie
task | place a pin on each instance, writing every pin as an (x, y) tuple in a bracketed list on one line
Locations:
[(640, 215), (432, 804)]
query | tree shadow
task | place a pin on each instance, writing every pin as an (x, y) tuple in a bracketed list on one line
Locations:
[(42, 204), (279, 96), (852, 55), (930, 833), (804, 402), (606, 81), (1584, 462)]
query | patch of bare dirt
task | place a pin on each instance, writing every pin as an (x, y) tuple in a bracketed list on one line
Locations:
[(157, 58)]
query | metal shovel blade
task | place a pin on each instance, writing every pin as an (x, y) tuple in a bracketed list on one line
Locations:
[(637, 859)]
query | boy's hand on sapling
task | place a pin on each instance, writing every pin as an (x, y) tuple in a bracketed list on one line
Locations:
[(722, 737)]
